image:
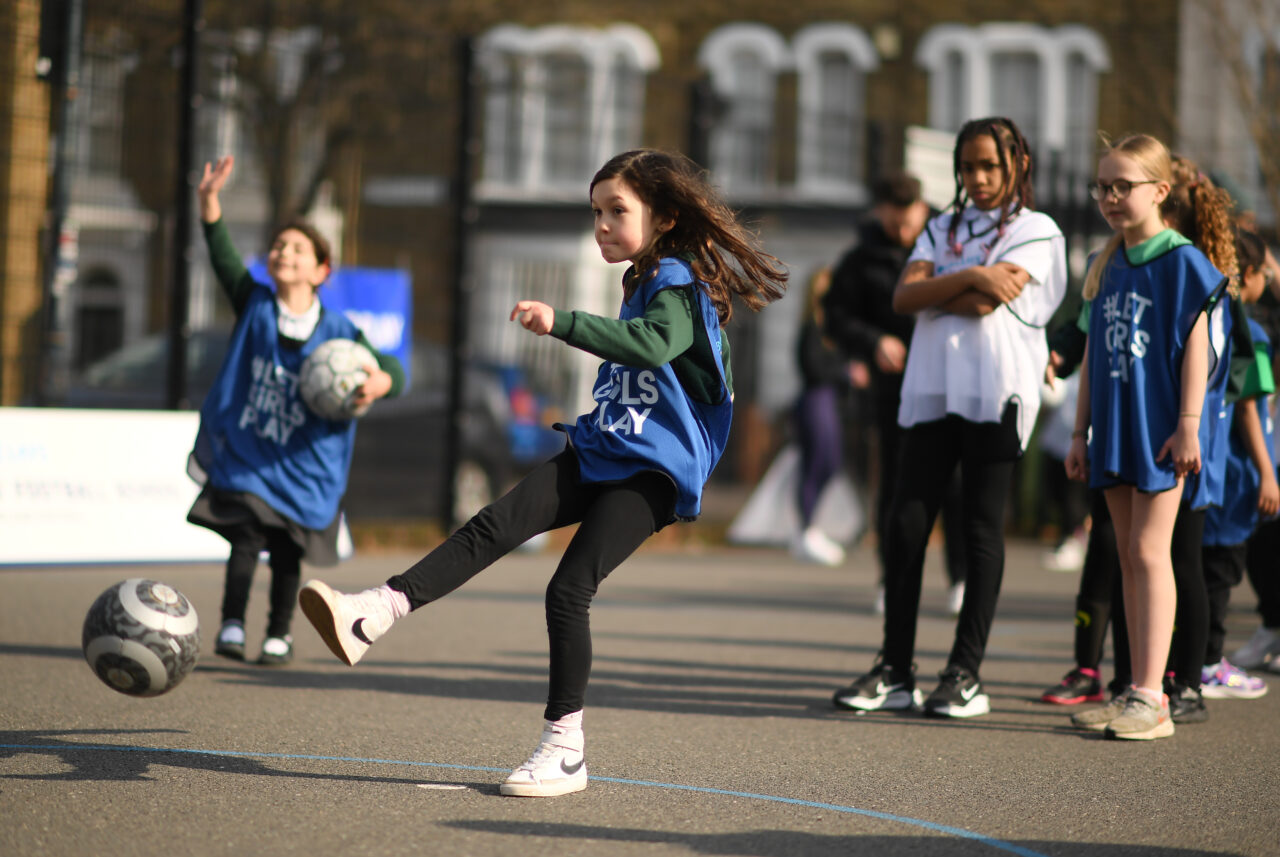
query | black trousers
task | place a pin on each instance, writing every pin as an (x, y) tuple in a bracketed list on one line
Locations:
[(614, 519), (986, 454), (1264, 570), (1223, 569), (890, 434), (248, 540)]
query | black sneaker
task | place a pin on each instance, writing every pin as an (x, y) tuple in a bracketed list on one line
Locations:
[(230, 642), (959, 694), (276, 651), (882, 689), (1079, 685), (1186, 705)]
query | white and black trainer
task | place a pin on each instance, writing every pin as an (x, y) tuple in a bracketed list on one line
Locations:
[(348, 624), (882, 689), (959, 694), (557, 767)]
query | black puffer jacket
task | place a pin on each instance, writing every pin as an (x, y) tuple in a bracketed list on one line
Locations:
[(859, 305)]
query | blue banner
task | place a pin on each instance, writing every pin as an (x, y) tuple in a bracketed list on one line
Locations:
[(378, 300)]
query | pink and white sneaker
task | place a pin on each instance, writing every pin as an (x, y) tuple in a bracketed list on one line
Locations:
[(348, 624)]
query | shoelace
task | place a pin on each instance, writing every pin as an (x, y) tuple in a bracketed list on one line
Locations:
[(544, 752)]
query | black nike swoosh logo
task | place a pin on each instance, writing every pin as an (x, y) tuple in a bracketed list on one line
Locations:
[(574, 768), (357, 631)]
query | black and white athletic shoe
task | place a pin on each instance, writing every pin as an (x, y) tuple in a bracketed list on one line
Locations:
[(230, 642), (882, 689), (959, 694)]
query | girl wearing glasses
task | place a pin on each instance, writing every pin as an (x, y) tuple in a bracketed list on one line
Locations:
[(1198, 210), (1142, 392), (984, 278)]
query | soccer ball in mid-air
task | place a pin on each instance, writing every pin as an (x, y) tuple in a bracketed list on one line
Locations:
[(330, 376), (141, 637)]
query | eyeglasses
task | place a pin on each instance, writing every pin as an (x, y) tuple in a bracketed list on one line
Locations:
[(1120, 187)]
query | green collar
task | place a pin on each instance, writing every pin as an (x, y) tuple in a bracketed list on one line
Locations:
[(1155, 247)]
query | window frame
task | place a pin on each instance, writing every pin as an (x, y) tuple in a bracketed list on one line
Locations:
[(517, 58)]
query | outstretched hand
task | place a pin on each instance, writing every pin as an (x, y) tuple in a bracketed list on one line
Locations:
[(214, 179), (535, 316)]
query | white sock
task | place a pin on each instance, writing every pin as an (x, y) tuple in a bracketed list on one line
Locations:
[(1154, 695), (395, 600), (571, 721)]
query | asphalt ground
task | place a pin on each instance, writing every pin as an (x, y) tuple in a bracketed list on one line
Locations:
[(709, 728)]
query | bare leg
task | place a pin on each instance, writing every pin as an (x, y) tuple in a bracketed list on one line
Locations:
[(1144, 530)]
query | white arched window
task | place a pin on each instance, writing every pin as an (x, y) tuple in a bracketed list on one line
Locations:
[(831, 64), (558, 102), (1045, 79), (743, 62)]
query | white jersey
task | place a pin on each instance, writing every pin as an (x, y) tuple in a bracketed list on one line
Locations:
[(973, 366)]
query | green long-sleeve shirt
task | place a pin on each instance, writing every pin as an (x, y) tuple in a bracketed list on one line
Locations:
[(238, 284), (666, 333)]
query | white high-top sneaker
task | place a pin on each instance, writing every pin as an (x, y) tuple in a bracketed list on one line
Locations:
[(557, 767), (348, 624)]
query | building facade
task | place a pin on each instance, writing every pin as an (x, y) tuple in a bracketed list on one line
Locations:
[(794, 108)]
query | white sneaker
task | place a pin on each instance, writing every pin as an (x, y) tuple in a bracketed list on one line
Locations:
[(348, 624), (813, 545), (955, 598), (557, 767), (1068, 556), (1262, 647)]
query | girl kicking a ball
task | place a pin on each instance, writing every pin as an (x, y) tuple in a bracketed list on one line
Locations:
[(637, 462)]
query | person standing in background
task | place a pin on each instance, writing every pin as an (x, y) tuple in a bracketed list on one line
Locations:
[(861, 321)]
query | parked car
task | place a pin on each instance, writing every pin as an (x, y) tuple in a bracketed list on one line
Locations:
[(400, 457)]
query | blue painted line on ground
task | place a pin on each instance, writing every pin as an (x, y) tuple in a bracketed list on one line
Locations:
[(832, 807)]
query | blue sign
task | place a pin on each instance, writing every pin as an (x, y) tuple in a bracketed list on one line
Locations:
[(378, 300)]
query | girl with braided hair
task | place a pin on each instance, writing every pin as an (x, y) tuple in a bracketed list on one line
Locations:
[(984, 279)]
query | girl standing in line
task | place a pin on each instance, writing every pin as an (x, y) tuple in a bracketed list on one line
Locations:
[(1143, 384), (984, 278), (633, 465), (1200, 212), (1250, 488), (273, 472)]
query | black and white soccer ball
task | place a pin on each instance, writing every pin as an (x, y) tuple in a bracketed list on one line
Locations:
[(141, 637), (330, 376)]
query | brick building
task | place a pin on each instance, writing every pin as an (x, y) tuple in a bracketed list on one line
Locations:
[(793, 107)]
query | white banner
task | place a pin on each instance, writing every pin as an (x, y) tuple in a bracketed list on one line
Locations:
[(100, 486)]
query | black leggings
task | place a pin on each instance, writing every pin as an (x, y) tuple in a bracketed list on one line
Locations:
[(614, 519), (248, 540), (890, 434), (1263, 567), (986, 453), (1223, 569)]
